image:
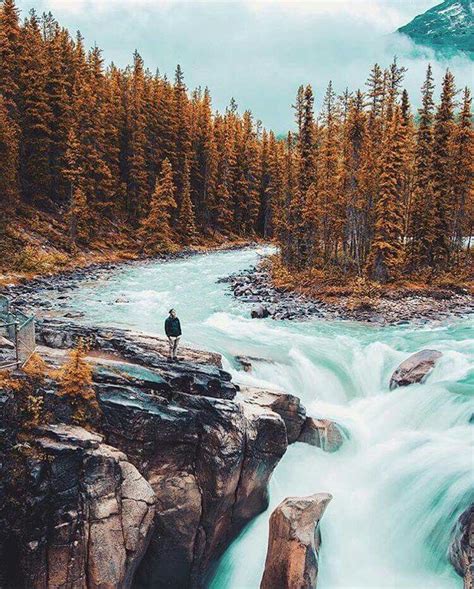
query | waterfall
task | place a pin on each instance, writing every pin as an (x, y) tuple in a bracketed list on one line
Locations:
[(405, 472)]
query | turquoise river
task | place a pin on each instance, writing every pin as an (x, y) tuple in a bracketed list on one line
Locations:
[(405, 474)]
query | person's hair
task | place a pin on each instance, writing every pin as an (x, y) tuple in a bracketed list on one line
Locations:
[(170, 311)]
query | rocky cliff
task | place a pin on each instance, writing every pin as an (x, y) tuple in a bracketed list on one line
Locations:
[(177, 465)]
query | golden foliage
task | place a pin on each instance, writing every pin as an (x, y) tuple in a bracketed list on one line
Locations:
[(75, 383), (37, 260), (36, 368), (30, 400), (31, 411), (9, 382)]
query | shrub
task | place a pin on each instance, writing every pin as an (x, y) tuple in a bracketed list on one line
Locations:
[(37, 260), (75, 383), (36, 368)]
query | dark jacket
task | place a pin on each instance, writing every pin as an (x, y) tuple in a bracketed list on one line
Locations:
[(172, 327)]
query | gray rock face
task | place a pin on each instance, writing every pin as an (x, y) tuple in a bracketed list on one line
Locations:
[(461, 550), (6, 343), (323, 433), (91, 514), (208, 461), (415, 368), (293, 543)]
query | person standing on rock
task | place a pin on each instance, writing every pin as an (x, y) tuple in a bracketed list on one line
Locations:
[(173, 333)]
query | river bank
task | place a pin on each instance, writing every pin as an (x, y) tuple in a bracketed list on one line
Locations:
[(254, 285), (88, 264), (397, 306)]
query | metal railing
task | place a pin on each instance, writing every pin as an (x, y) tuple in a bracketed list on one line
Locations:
[(17, 336)]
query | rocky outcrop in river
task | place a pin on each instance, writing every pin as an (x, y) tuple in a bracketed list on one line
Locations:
[(461, 551), (288, 407), (293, 544), (323, 433), (415, 369)]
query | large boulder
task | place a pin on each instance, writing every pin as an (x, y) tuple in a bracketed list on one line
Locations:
[(246, 362), (323, 433), (265, 443), (87, 517), (287, 406), (260, 312), (415, 368), (461, 550), (293, 543)]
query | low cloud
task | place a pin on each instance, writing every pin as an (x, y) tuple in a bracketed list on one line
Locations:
[(258, 51)]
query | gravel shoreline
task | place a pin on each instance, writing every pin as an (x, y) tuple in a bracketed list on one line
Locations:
[(255, 286)]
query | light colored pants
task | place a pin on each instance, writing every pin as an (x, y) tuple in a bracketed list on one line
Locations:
[(174, 343)]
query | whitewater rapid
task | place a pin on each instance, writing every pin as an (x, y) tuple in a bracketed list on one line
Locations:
[(404, 475)]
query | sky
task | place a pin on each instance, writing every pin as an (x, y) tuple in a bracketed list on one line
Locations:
[(257, 51)]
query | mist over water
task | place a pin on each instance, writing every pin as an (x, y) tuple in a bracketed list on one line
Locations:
[(404, 474)]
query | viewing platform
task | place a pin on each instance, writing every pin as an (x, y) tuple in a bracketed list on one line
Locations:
[(17, 336)]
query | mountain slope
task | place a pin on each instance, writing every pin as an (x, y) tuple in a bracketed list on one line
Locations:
[(449, 26)]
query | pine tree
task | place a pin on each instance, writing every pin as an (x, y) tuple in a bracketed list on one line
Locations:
[(73, 171), (353, 141), (287, 222), (89, 124), (223, 209), (167, 121), (331, 210), (186, 226), (307, 142), (114, 125), (75, 383), (463, 217), (409, 145), (246, 177), (386, 252), (394, 79), (301, 217), (60, 57), (8, 166), (421, 217), (78, 218), (204, 160), (442, 174), (274, 204), (35, 172), (181, 127), (155, 229), (371, 159), (10, 48), (137, 177)]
